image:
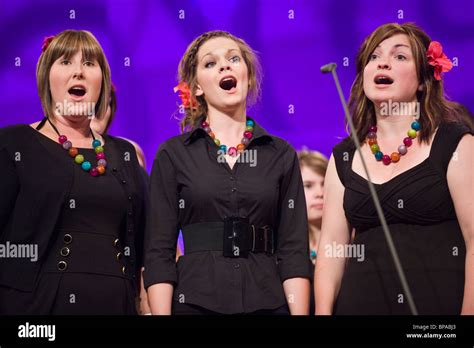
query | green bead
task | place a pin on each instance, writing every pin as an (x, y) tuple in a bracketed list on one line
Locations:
[(249, 128), (412, 133), (374, 148), (217, 141), (99, 149), (79, 159)]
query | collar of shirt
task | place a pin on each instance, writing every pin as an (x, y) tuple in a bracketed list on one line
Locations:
[(198, 132)]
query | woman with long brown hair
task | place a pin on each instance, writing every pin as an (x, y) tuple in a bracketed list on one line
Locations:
[(418, 147)]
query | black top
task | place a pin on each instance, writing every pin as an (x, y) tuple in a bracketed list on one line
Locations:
[(189, 185), (37, 184), (421, 217)]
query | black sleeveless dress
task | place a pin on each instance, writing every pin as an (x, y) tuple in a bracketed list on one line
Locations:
[(423, 224)]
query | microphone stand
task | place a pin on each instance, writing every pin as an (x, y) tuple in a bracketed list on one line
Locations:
[(331, 67)]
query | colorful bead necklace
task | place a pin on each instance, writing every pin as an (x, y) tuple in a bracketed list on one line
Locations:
[(402, 149), (232, 151), (79, 159)]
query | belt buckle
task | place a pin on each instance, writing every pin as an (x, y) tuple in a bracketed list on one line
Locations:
[(269, 243), (236, 237)]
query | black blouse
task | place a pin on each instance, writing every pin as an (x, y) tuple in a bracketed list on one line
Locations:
[(190, 185)]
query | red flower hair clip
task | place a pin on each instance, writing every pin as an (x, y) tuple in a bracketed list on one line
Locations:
[(46, 41), (185, 95), (438, 59)]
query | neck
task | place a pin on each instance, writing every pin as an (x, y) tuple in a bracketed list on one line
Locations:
[(73, 127), (392, 125), (227, 124), (314, 232)]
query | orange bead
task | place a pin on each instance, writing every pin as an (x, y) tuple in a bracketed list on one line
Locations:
[(73, 152), (212, 135), (372, 142), (395, 157), (240, 147), (101, 169)]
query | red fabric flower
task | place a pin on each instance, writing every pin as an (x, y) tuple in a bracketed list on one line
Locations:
[(46, 41), (185, 95), (438, 59)]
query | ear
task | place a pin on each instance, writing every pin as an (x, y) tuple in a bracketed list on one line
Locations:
[(199, 91)]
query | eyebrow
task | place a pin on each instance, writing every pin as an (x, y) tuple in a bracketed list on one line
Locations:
[(229, 50), (397, 45)]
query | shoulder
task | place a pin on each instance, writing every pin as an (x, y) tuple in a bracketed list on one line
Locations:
[(13, 135), (175, 143), (120, 142), (453, 130), (346, 145)]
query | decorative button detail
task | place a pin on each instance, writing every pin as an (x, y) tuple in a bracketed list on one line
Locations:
[(116, 242), (234, 189), (67, 238), (119, 256), (62, 265), (65, 251), (236, 265), (124, 270)]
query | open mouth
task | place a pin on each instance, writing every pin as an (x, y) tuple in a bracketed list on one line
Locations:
[(383, 80), (77, 91), (227, 83)]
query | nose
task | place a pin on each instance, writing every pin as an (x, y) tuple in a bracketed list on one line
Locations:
[(224, 66), (78, 72), (383, 66), (319, 191)]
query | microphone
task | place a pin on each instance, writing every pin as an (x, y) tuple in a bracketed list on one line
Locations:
[(328, 68), (331, 67)]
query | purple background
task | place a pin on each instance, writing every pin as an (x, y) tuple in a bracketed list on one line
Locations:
[(291, 51)]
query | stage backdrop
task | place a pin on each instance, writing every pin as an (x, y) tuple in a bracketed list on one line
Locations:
[(144, 41)]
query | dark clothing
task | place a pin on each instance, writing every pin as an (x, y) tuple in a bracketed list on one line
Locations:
[(424, 229), (190, 185), (190, 309), (87, 228)]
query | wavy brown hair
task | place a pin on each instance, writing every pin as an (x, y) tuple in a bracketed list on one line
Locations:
[(187, 72), (434, 107)]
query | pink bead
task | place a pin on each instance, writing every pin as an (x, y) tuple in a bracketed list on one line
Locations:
[(100, 156), (94, 171), (372, 135), (386, 160), (62, 139), (204, 124), (407, 141), (248, 134), (373, 129), (232, 151)]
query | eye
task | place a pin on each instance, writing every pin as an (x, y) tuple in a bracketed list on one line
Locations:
[(65, 62), (209, 64), (235, 59), (307, 185), (89, 63), (400, 57), (373, 56)]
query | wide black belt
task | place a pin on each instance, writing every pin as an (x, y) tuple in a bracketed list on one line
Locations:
[(234, 236)]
